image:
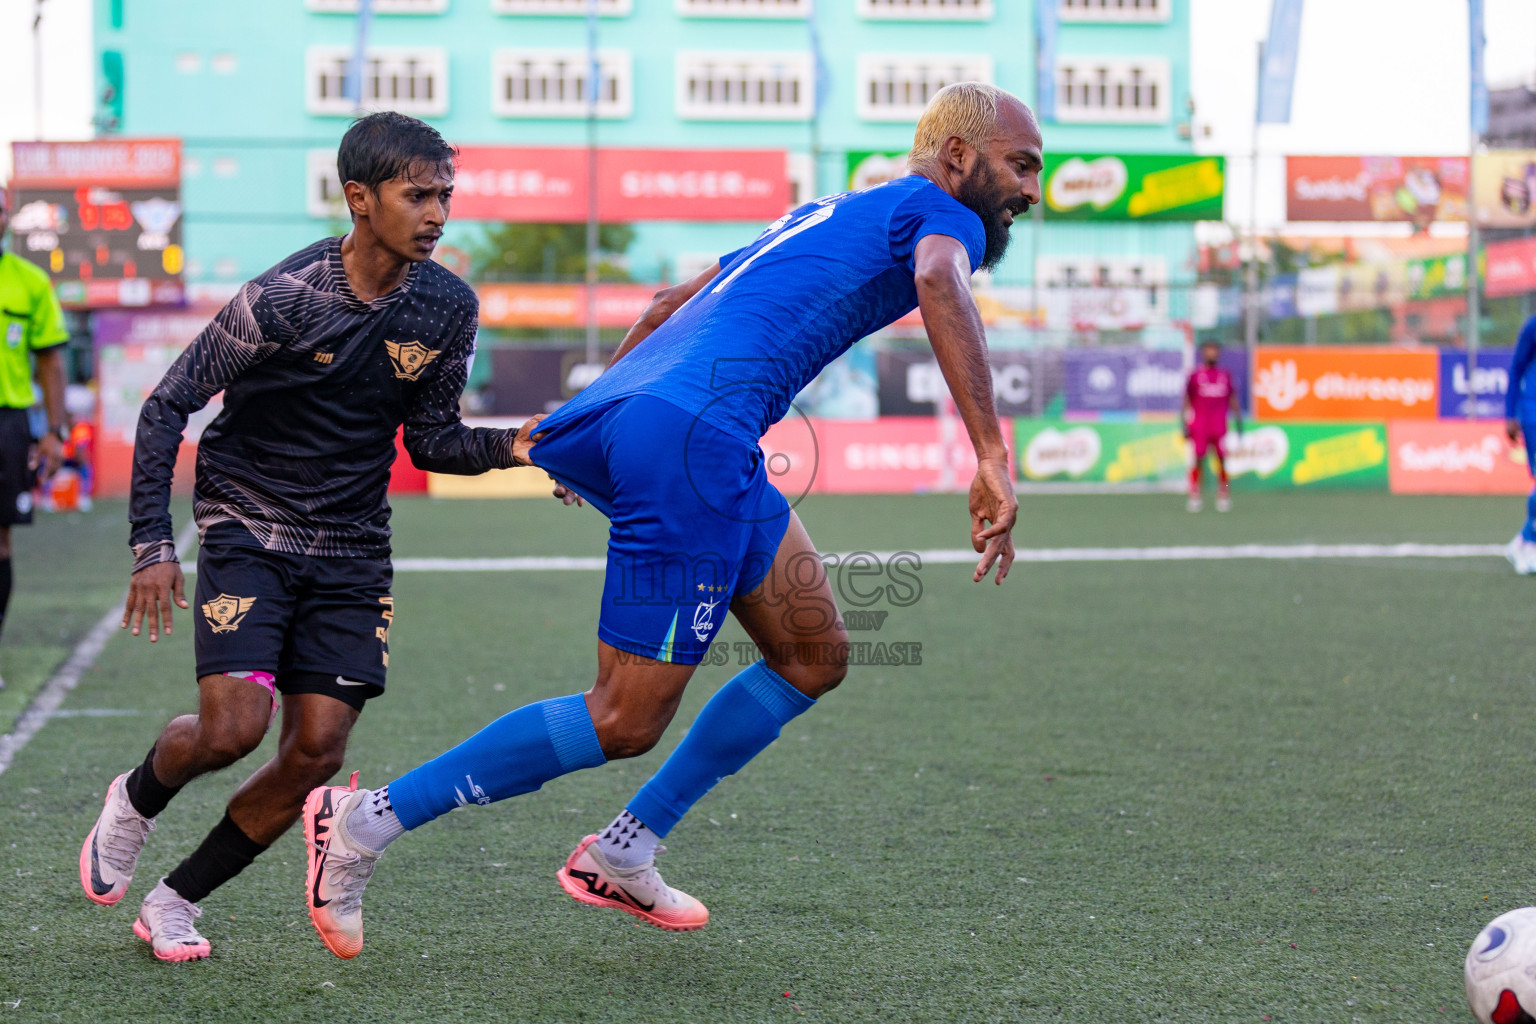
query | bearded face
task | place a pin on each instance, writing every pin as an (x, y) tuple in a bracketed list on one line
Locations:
[(995, 198)]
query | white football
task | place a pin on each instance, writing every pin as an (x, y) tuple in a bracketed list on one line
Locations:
[(1501, 969)]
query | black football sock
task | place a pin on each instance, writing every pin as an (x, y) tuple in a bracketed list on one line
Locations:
[(145, 790), (5, 588), (224, 854)]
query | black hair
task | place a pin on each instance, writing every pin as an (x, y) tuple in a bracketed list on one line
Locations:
[(389, 145)]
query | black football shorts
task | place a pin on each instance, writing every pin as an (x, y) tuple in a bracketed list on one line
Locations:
[(17, 473), (320, 625)]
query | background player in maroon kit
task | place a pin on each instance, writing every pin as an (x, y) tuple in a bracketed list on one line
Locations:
[(1208, 395)]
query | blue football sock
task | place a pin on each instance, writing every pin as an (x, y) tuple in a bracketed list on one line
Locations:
[(1529, 530), (742, 718), (515, 754)]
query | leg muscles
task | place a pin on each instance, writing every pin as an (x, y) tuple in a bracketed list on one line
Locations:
[(231, 719), (310, 751), (792, 616)]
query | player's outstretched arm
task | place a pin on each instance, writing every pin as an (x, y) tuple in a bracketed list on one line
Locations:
[(662, 305), (943, 278)]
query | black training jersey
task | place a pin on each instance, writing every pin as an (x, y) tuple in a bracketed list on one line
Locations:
[(316, 384)]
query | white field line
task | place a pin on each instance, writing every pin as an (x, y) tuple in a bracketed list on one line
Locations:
[(960, 556), (47, 701), (45, 705)]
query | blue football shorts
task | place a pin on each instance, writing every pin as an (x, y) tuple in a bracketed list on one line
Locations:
[(693, 520)]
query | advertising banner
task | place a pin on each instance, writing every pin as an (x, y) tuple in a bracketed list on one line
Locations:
[(1418, 189), (1437, 276), (1491, 382), (1455, 458), (1122, 380), (1098, 186), (890, 455), (102, 218), (1280, 297), (530, 380), (1504, 188), (1113, 453), (1023, 383), (549, 184), (1509, 267), (1345, 383), (1317, 290), (1133, 187), (111, 163), (560, 305), (133, 351), (1279, 455), (1266, 455)]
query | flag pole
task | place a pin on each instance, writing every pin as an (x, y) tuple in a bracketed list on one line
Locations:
[(1478, 121), (592, 232)]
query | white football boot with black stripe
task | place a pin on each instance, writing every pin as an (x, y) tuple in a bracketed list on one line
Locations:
[(111, 851)]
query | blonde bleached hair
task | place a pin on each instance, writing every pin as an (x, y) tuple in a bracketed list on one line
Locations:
[(967, 110)]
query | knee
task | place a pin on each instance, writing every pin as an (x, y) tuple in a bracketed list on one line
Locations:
[(814, 669), (815, 681), (226, 740), (626, 732), (315, 757)]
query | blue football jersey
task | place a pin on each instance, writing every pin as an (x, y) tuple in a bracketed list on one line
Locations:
[(816, 281)]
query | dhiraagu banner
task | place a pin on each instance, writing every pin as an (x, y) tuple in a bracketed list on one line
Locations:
[(1098, 186), (1265, 455)]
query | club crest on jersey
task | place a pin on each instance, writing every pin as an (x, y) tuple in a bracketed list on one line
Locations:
[(411, 358), (225, 612)]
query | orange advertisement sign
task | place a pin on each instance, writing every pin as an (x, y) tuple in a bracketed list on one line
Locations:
[(560, 305), (1454, 457), (1345, 383)]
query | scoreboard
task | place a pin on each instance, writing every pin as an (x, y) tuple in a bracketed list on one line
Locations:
[(102, 218)]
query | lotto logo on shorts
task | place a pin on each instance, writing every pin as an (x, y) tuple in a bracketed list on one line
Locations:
[(225, 612)]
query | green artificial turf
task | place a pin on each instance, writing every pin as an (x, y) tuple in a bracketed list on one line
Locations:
[(1178, 791)]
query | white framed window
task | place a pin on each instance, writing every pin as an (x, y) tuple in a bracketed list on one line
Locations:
[(1101, 272), (896, 86), (553, 83), (1136, 12), (576, 8), (926, 10), (1108, 292), (1112, 90), (379, 6), (323, 198), (744, 8), (745, 86), (408, 79)]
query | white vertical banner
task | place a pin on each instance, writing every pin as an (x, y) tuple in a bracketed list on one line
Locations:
[(1277, 73), (1479, 89), (1047, 18)]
